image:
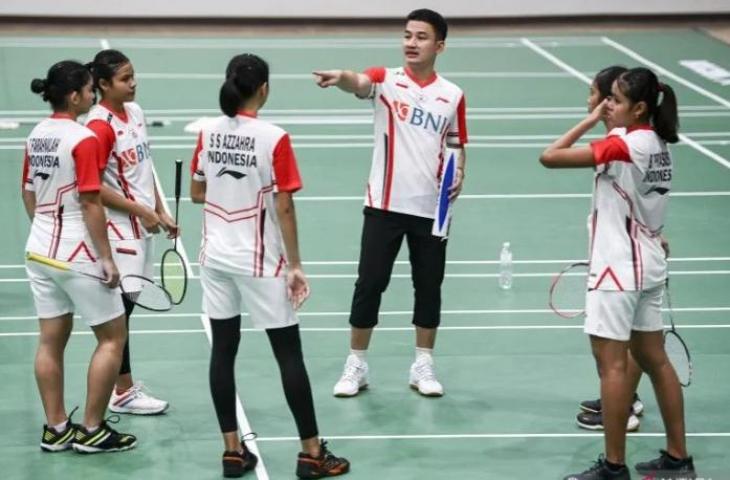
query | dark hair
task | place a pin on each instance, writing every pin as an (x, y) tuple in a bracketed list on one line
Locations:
[(62, 78), (432, 18), (642, 85), (605, 78), (106, 64), (245, 73)]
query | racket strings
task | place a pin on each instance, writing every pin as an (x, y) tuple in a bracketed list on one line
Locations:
[(568, 291), (146, 293), (174, 275)]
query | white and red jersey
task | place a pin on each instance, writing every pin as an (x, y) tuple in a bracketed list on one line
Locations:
[(127, 164), (243, 161), (61, 161), (414, 121), (632, 184)]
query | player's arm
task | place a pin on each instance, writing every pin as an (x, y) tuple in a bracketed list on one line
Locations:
[(26, 188), (29, 203), (297, 284), (458, 184), (346, 80), (88, 184), (197, 174), (197, 191), (166, 221), (561, 153), (114, 200)]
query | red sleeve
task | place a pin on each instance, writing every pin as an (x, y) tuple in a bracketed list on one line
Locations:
[(194, 163), (461, 120), (285, 167), (375, 74), (26, 182), (610, 149), (105, 135), (86, 158)]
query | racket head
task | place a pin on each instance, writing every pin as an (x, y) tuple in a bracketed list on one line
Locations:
[(679, 357), (146, 293), (174, 275), (568, 291)]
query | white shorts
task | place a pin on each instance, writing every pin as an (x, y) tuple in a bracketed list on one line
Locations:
[(264, 298), (134, 257), (56, 293), (614, 314)]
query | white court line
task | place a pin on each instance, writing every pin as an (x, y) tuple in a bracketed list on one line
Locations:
[(459, 436), (462, 328), (555, 60), (390, 313), (329, 276)]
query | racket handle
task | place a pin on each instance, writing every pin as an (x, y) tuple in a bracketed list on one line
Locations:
[(34, 257), (178, 177)]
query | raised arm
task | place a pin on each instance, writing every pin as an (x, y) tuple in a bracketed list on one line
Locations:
[(346, 80)]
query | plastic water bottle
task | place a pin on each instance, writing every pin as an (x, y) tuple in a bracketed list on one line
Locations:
[(505, 267)]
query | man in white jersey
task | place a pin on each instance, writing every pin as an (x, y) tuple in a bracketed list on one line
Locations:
[(417, 114)]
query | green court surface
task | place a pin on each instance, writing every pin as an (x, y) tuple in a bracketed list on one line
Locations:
[(513, 371)]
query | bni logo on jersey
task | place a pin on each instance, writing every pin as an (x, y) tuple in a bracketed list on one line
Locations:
[(420, 118)]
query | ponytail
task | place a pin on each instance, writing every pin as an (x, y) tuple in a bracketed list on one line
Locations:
[(665, 118), (245, 74), (62, 79)]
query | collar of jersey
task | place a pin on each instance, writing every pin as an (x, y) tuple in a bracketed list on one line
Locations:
[(420, 83), (246, 113), (61, 116), (120, 115), (642, 126)]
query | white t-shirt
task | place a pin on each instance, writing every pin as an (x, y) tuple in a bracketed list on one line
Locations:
[(413, 123), (61, 161), (127, 164), (243, 161), (632, 184)]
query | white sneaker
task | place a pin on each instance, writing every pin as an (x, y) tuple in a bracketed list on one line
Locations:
[(637, 406), (354, 378), (423, 378), (136, 401)]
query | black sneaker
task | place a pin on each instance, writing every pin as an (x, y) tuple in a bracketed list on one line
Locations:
[(236, 464), (103, 439), (665, 467), (53, 441), (594, 421), (326, 465), (600, 471), (594, 406)]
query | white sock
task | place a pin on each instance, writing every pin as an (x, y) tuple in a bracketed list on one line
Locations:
[(360, 354), (92, 429), (424, 353), (61, 426)]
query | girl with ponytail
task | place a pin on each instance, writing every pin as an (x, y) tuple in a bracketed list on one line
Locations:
[(134, 206), (245, 173), (628, 266), (60, 190)]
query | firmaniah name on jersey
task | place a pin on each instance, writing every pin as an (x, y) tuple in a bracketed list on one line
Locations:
[(232, 142), (43, 161), (232, 158), (44, 145)]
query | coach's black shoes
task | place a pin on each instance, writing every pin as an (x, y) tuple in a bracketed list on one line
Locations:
[(53, 441), (668, 467), (326, 465), (236, 464), (594, 406), (602, 471), (103, 439)]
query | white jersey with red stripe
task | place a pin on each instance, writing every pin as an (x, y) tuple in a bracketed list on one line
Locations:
[(243, 161), (128, 169), (414, 121), (61, 160), (632, 184)]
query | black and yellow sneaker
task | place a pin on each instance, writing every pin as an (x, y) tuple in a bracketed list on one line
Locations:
[(236, 464), (326, 465), (668, 467), (103, 439), (53, 441)]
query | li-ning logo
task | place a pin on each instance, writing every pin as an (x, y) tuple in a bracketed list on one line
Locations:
[(233, 173), (420, 118), (43, 175)]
